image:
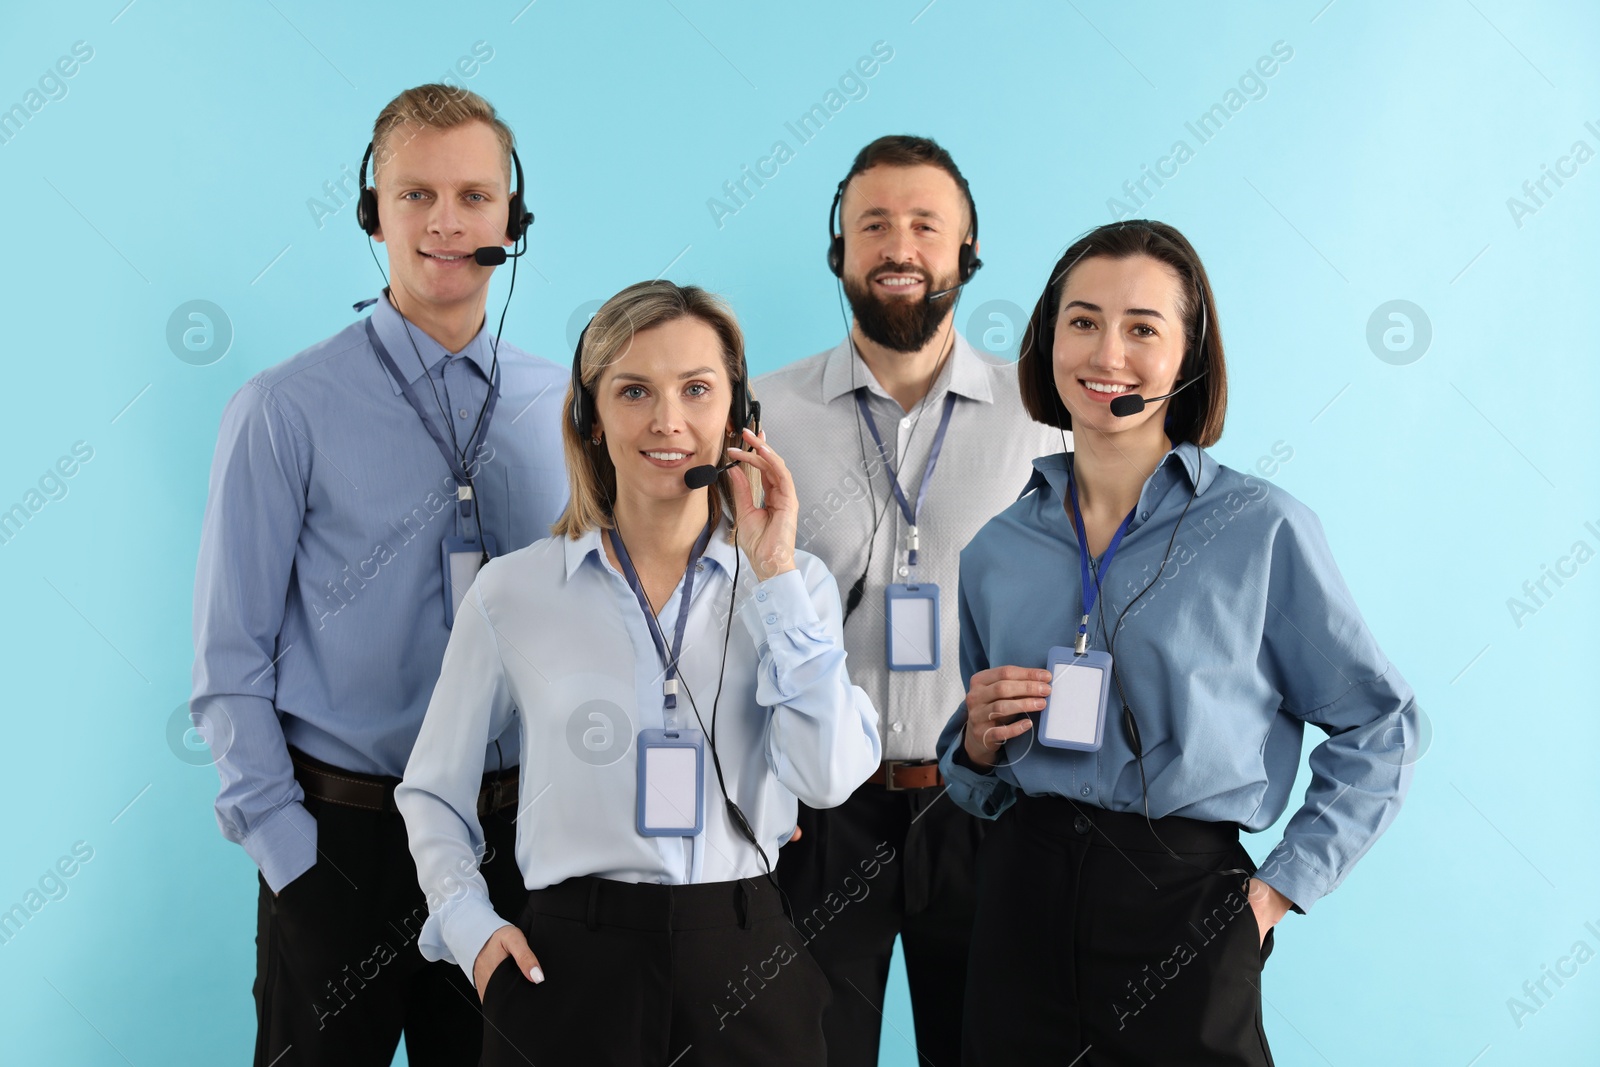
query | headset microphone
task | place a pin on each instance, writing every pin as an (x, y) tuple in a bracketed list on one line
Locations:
[(494, 255), (702, 476), (936, 294), (1133, 403)]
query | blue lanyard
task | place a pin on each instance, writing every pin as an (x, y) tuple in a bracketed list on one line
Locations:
[(669, 683), (1091, 591), (452, 459), (927, 472)]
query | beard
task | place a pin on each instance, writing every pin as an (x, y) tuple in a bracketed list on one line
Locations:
[(897, 323)]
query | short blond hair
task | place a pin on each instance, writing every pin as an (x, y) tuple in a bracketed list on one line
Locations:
[(440, 107), (590, 474)]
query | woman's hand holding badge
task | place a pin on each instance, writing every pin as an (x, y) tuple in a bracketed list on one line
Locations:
[(765, 533), (999, 701)]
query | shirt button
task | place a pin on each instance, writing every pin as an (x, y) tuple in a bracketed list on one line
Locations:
[(462, 413), (904, 571), (762, 596), (1143, 515), (698, 567), (1081, 824), (897, 727), (905, 423), (1085, 790), (772, 620)]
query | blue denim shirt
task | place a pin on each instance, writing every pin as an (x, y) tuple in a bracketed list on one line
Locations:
[(1247, 635)]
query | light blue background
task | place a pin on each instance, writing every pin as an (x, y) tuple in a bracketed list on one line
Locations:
[(1377, 167)]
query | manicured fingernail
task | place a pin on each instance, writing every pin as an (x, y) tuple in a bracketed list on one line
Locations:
[(537, 974)]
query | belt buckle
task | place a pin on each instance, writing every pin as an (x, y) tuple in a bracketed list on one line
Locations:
[(491, 797), (889, 767)]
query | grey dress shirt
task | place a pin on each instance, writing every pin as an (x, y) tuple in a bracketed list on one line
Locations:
[(811, 417)]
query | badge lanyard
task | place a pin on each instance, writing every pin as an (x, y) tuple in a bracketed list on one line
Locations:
[(911, 610), (906, 509), (465, 503), (1091, 590), (1080, 680), (670, 797), (669, 683)]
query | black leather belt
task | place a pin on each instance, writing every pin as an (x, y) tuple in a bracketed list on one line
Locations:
[(376, 792)]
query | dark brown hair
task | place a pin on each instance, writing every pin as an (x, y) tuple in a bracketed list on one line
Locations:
[(1194, 415), (906, 150)]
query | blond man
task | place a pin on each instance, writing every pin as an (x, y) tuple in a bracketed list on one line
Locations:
[(355, 490)]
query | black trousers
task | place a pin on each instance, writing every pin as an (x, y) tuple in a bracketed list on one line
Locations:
[(1092, 941), (338, 974), (653, 975), (887, 863)]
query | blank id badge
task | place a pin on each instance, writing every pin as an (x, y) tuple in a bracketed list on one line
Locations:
[(1075, 716), (672, 778), (911, 630), (461, 557)]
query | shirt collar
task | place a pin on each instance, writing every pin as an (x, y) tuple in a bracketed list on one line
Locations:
[(393, 330), (964, 374), (1184, 463), (718, 551)]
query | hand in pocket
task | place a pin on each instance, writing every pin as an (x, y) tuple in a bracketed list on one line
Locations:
[(506, 941)]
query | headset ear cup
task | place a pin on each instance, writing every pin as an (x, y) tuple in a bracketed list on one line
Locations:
[(367, 199), (967, 263), (367, 211), (582, 418), (514, 216), (518, 218), (835, 238)]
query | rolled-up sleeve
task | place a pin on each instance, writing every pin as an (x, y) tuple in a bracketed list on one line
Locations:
[(255, 506), (822, 736), (438, 795), (1331, 673)]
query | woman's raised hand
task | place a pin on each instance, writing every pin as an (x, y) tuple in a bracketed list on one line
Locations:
[(766, 533)]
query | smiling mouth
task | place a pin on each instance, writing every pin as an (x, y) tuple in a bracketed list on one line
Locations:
[(898, 282), (667, 456), (447, 259), (1105, 387)]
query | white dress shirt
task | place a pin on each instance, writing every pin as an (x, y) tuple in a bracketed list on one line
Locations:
[(553, 636)]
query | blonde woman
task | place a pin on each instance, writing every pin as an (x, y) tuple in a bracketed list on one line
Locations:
[(664, 742)]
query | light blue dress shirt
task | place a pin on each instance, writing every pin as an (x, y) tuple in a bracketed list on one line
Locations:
[(319, 600), (553, 637), (1248, 635)]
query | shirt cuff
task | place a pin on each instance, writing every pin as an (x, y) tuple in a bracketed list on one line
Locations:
[(458, 931), (985, 795), (780, 603), (1295, 876), (284, 846)]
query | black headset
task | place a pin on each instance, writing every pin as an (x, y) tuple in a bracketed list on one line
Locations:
[(743, 411), (518, 217), (1194, 356), (967, 264)]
